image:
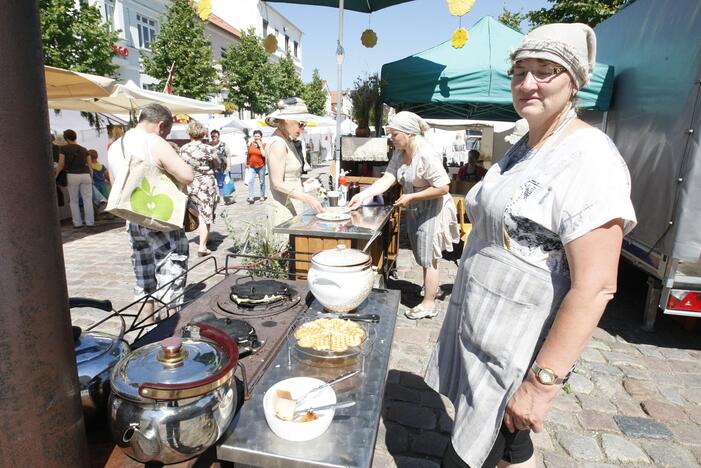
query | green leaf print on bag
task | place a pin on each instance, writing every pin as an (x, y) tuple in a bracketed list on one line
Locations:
[(144, 202)]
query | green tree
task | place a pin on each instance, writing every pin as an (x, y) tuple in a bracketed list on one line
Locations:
[(287, 80), (314, 94), (181, 41), (591, 12), (75, 37), (512, 19), (249, 75)]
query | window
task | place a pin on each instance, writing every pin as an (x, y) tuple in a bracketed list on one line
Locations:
[(109, 13), (265, 28), (296, 49), (147, 31), (287, 43)]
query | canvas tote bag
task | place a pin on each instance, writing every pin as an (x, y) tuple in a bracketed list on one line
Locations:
[(145, 195)]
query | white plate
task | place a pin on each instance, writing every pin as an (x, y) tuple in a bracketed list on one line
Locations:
[(333, 216)]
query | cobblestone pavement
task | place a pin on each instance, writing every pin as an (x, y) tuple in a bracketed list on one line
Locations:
[(635, 399)]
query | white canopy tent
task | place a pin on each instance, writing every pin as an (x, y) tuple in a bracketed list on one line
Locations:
[(129, 98), (62, 84)]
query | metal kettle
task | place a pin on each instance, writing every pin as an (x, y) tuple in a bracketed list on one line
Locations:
[(96, 353)]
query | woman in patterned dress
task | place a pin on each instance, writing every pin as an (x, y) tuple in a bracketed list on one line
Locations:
[(541, 261), (203, 191), (432, 224)]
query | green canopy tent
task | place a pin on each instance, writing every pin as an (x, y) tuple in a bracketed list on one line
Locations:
[(471, 83)]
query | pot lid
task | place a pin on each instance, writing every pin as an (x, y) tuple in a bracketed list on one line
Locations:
[(174, 362), (341, 256), (92, 345)]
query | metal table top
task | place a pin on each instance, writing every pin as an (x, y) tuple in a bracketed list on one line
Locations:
[(350, 440), (364, 222)]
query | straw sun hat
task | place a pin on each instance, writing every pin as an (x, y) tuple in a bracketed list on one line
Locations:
[(291, 108)]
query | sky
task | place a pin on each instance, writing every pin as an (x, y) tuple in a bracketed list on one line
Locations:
[(402, 30)]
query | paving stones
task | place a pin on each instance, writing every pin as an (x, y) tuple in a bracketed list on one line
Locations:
[(556, 460), (642, 427), (563, 419), (686, 433), (566, 402), (596, 403), (541, 441), (619, 449), (580, 384), (668, 455), (592, 355), (640, 389), (595, 421), (580, 446), (663, 411)]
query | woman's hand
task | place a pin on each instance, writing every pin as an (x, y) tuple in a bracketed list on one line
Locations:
[(405, 200), (314, 202), (356, 201), (529, 405)]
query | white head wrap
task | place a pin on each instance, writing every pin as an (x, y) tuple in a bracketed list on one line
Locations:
[(571, 45), (520, 129), (408, 122)]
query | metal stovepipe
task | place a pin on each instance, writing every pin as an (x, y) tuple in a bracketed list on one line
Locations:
[(40, 412)]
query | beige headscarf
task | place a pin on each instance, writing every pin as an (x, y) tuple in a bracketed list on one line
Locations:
[(571, 45), (408, 122)]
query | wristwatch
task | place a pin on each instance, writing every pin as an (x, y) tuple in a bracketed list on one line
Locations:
[(547, 376)]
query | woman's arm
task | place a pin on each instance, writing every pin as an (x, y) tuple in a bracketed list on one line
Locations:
[(61, 164), (277, 155), (381, 185), (427, 194), (593, 261)]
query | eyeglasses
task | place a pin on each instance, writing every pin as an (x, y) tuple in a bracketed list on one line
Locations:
[(302, 124), (541, 75)]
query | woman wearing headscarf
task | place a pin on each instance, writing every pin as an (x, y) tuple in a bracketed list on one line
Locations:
[(431, 216), (541, 262), (203, 191), (284, 164)]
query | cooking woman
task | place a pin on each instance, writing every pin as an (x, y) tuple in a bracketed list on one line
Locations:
[(431, 215), (541, 261)]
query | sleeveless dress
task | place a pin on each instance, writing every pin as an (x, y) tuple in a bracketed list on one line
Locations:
[(280, 207), (513, 273)]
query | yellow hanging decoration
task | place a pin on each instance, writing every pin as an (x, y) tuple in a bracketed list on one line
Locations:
[(204, 9), (270, 43), (459, 7), (459, 38), (368, 38)]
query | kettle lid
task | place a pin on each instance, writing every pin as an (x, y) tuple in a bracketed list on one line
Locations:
[(341, 256)]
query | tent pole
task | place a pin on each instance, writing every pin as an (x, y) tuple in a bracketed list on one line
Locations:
[(339, 95)]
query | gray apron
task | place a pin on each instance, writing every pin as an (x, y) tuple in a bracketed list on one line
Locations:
[(500, 312), (420, 216)]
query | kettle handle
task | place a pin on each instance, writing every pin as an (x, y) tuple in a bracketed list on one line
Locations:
[(161, 391)]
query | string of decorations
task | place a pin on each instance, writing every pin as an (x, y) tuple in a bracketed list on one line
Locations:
[(459, 8)]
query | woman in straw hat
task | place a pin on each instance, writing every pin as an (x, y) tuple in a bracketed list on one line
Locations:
[(431, 216), (541, 261), (284, 164)]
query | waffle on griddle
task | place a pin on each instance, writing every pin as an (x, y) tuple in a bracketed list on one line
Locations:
[(335, 335)]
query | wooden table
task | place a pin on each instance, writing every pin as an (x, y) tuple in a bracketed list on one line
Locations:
[(463, 222)]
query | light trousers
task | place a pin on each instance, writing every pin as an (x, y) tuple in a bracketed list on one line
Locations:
[(80, 185)]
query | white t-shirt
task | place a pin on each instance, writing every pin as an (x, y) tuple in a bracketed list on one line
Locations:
[(135, 144), (577, 188)]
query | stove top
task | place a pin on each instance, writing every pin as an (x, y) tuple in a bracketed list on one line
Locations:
[(261, 330)]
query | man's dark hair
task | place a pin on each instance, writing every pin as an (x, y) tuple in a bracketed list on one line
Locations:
[(213, 132), (70, 135), (257, 132), (155, 113)]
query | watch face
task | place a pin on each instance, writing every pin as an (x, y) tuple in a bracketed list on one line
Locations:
[(546, 377)]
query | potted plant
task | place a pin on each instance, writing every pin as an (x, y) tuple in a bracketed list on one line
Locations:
[(364, 98)]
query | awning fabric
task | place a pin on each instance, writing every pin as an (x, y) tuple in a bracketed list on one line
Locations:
[(471, 83)]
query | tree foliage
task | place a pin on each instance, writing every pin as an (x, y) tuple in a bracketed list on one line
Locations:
[(591, 12), (314, 94), (512, 19), (249, 75), (75, 37), (181, 41), (287, 80)]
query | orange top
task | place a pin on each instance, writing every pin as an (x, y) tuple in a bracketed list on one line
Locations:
[(255, 158)]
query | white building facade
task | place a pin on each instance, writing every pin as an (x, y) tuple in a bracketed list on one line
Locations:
[(139, 22)]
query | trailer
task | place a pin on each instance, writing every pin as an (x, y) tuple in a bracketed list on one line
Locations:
[(655, 47)]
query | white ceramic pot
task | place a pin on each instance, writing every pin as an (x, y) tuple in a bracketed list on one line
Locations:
[(341, 278)]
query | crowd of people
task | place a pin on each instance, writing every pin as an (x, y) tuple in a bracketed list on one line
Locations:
[(536, 273)]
